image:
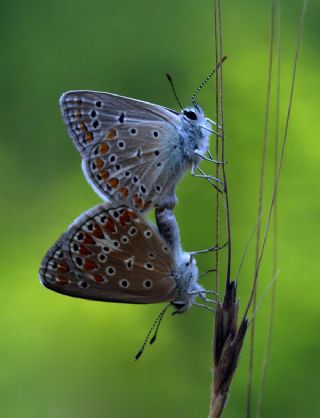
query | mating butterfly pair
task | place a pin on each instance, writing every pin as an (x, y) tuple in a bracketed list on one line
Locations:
[(133, 154)]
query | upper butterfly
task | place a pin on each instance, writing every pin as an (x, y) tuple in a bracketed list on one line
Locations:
[(134, 152)]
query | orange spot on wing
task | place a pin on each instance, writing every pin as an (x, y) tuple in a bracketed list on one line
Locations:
[(63, 266), (89, 137), (125, 218), (147, 204), (137, 201), (110, 225), (89, 265), (132, 214), (61, 280), (112, 134), (104, 148), (97, 231), (83, 127), (97, 278), (99, 163), (113, 182), (88, 239), (78, 114), (105, 175), (84, 250), (124, 191)]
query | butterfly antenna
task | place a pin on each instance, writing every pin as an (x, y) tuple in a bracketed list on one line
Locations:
[(207, 79), (173, 89), (156, 323), (161, 315)]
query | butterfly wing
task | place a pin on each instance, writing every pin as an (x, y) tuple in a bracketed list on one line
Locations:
[(136, 168), (89, 115), (110, 254), (131, 149)]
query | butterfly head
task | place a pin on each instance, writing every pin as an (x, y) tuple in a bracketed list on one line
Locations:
[(187, 287), (195, 133), (194, 113)]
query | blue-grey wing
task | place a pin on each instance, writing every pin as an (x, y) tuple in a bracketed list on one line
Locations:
[(137, 164), (89, 115)]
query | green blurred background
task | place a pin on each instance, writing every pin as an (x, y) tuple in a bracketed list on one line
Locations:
[(72, 358)]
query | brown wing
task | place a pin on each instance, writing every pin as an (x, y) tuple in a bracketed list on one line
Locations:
[(110, 254)]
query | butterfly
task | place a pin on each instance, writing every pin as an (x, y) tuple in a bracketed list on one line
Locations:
[(134, 152), (113, 254)]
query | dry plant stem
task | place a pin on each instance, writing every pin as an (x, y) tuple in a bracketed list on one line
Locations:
[(216, 284), (224, 176), (227, 339), (228, 342), (275, 234), (276, 184), (260, 204), (216, 405)]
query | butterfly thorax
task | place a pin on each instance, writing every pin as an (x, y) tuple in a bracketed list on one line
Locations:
[(187, 287), (194, 137)]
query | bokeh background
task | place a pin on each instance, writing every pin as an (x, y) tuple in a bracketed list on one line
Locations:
[(67, 358)]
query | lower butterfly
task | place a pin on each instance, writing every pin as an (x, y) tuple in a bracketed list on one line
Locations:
[(113, 254)]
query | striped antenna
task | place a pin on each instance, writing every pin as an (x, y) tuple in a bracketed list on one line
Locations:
[(207, 79)]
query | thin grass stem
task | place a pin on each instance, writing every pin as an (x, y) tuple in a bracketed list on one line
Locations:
[(260, 204), (266, 356), (283, 147)]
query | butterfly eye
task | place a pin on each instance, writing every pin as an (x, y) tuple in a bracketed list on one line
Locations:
[(180, 306), (190, 114)]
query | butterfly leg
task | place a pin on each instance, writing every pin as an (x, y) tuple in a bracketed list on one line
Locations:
[(205, 176), (211, 160), (205, 273), (202, 305), (213, 123), (198, 292), (207, 300), (211, 130)]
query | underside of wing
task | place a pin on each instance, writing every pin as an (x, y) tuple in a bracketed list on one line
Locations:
[(88, 115), (136, 164), (110, 254)]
